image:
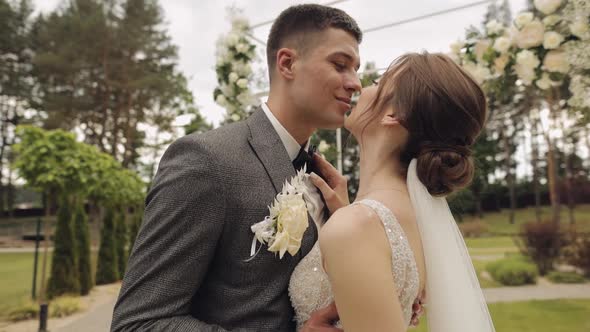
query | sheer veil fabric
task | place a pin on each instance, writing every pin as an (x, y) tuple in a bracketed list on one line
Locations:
[(454, 299)]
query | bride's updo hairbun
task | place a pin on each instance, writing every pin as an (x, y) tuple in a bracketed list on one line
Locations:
[(444, 168), (443, 110)]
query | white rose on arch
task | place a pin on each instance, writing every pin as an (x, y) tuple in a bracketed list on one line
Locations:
[(526, 63), (551, 20), (502, 44), (528, 59), (232, 77), (580, 28), (457, 46), (500, 63), (526, 74), (556, 61), (523, 19), (478, 72), (531, 35), (552, 40), (481, 47), (242, 83), (494, 27), (547, 6)]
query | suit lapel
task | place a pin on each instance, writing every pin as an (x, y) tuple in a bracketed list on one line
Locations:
[(269, 148)]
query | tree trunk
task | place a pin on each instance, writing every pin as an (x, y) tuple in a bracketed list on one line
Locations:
[(552, 173), (510, 179), (535, 166), (3, 127), (552, 176), (571, 204), (46, 230)]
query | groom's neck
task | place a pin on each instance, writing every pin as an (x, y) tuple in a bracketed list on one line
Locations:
[(291, 118)]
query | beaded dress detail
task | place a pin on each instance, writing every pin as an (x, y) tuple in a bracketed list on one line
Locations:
[(309, 287)]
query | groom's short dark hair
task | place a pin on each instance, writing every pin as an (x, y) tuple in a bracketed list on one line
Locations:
[(296, 24)]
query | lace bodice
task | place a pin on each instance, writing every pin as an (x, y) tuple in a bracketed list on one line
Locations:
[(309, 288)]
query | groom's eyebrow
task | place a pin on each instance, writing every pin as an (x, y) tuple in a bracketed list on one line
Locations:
[(348, 57)]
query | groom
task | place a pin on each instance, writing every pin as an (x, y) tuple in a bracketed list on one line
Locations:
[(187, 271)]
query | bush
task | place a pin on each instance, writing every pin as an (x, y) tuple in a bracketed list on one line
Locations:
[(565, 277), (541, 242), (64, 276), (64, 306), (59, 307), (474, 228), (27, 310), (107, 270), (577, 252), (513, 271)]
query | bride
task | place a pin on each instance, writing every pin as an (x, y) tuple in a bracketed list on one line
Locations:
[(397, 246)]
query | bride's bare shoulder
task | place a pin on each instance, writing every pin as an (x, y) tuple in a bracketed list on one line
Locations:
[(352, 223)]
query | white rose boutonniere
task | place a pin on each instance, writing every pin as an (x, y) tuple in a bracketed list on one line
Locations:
[(283, 229)]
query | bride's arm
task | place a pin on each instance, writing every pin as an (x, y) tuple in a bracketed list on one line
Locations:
[(357, 258)]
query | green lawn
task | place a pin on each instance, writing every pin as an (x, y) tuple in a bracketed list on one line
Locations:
[(16, 278), (497, 245), (537, 316), (498, 221)]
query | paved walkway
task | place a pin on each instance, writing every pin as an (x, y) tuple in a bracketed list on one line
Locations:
[(537, 292), (98, 321)]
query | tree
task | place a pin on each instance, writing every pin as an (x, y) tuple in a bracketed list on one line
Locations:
[(64, 277), (16, 85), (121, 241), (82, 235), (107, 270), (48, 162), (128, 77)]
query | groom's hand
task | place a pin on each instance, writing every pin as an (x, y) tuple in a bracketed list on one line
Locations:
[(332, 184), (322, 320)]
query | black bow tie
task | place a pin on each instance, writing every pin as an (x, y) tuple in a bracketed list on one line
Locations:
[(304, 158)]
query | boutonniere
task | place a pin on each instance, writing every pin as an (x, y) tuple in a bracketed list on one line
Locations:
[(282, 230)]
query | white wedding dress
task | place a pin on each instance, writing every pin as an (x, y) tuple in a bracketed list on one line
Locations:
[(310, 289)]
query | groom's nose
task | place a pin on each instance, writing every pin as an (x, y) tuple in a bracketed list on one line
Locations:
[(352, 83)]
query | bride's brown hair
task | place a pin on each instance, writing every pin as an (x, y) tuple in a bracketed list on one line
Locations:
[(444, 110)]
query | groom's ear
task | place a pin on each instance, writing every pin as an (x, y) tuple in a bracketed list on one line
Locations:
[(285, 60)]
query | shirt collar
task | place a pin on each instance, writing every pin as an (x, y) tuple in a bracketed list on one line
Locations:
[(289, 142)]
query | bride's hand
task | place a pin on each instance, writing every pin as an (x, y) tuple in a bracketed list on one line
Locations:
[(333, 185), (321, 320)]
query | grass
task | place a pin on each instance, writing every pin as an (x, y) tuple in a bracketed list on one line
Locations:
[(498, 222), (497, 245), (16, 278), (537, 316)]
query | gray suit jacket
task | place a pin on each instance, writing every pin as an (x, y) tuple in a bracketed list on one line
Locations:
[(187, 270)]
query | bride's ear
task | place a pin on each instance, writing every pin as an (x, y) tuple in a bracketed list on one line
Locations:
[(389, 120)]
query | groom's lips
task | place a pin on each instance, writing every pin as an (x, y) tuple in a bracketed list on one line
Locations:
[(345, 101)]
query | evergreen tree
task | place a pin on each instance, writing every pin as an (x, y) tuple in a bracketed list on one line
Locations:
[(83, 241), (107, 270), (121, 241), (128, 76), (64, 277)]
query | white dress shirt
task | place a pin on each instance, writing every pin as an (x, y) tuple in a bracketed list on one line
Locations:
[(314, 202), (289, 142)]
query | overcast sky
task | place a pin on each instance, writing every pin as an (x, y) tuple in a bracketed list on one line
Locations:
[(195, 26)]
